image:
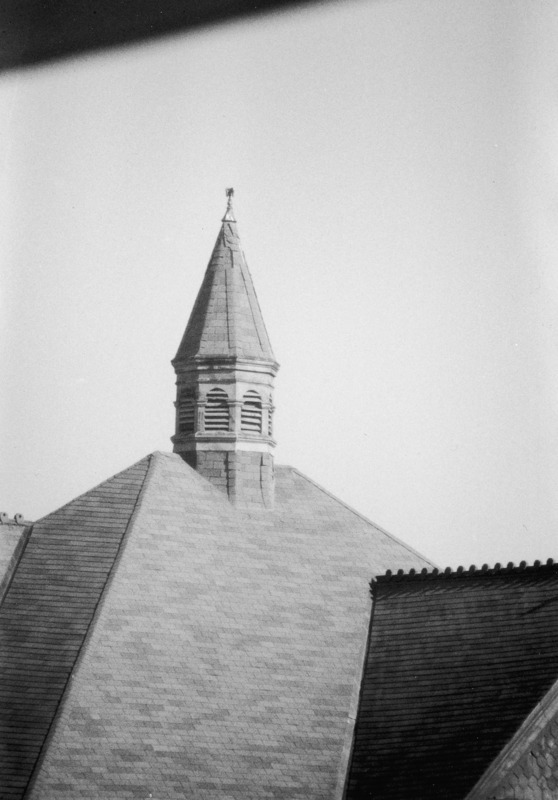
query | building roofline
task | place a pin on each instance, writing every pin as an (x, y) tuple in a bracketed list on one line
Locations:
[(424, 575), (18, 520)]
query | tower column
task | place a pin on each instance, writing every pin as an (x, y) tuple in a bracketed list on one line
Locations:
[(200, 414), (236, 409)]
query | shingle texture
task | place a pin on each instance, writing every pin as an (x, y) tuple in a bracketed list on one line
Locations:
[(46, 614), (535, 776), (225, 656), (456, 663), (226, 320)]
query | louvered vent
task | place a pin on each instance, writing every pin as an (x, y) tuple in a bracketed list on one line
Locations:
[(270, 423), (251, 413), (186, 410), (217, 411)]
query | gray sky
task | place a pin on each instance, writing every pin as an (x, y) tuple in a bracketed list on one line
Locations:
[(396, 175)]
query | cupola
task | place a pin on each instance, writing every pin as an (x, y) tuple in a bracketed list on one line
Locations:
[(224, 377)]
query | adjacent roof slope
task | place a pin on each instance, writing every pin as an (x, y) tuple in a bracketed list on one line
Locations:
[(226, 319), (47, 611), (456, 663), (535, 776), (224, 658), (527, 767)]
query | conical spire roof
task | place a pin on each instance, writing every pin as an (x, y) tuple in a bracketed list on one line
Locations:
[(226, 319)]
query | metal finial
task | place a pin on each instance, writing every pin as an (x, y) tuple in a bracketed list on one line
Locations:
[(229, 213)]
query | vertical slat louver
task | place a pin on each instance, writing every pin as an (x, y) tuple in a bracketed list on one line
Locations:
[(186, 411), (251, 413), (217, 411), (270, 422)]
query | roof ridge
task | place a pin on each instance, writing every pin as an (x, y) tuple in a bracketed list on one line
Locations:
[(92, 488), (460, 571), (361, 516), (84, 610)]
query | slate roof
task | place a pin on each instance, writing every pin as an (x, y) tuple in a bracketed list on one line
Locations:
[(535, 776), (167, 643), (47, 612), (456, 662), (226, 320)]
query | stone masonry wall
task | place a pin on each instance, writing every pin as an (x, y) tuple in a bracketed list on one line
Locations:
[(251, 478), (212, 464), (247, 477)]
